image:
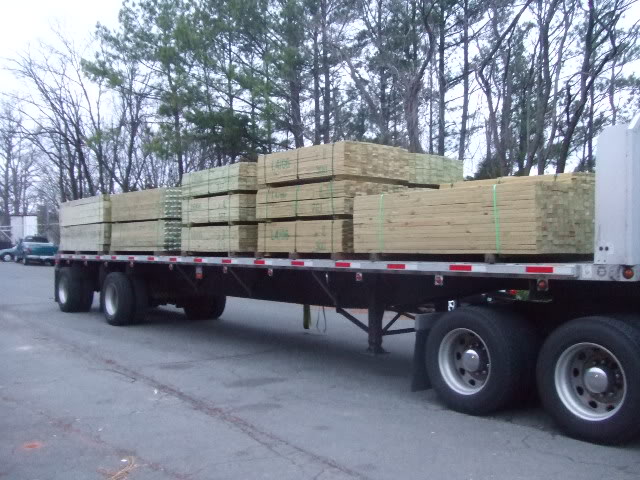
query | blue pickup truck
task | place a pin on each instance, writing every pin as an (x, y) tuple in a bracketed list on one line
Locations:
[(31, 249)]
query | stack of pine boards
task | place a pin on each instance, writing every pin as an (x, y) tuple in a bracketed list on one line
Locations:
[(146, 220), (219, 210), (85, 224), (430, 170), (543, 215), (305, 200)]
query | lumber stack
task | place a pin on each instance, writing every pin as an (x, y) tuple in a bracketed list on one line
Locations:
[(333, 161), (308, 236), (427, 169), (528, 216), (146, 220), (322, 199), (85, 224), (146, 236), (219, 210), (153, 204), (237, 177), (306, 196)]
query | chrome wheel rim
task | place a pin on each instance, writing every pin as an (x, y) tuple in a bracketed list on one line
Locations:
[(6, 257), (111, 300), (62, 292), (590, 381), (464, 361)]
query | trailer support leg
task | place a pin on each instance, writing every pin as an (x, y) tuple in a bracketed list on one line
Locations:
[(375, 330)]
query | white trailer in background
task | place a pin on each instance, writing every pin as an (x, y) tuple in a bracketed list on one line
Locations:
[(575, 337), (23, 226)]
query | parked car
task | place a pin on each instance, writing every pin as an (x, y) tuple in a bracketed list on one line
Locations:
[(35, 251), (8, 254)]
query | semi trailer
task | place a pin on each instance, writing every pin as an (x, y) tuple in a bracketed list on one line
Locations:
[(572, 337)]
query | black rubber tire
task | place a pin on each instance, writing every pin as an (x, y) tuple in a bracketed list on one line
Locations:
[(621, 336), (205, 308), (79, 296), (131, 296), (512, 344), (25, 261)]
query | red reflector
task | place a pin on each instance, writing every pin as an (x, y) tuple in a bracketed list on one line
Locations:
[(226, 260), (97, 257), (113, 257), (460, 268), (297, 263), (173, 259), (197, 260), (396, 266), (132, 258), (151, 259), (258, 262), (343, 264), (82, 257), (539, 270)]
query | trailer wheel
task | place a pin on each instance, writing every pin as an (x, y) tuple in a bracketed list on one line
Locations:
[(123, 299), (205, 308), (7, 257), (480, 359), (72, 291), (589, 378)]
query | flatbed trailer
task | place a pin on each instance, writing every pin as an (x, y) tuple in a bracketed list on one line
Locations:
[(576, 335)]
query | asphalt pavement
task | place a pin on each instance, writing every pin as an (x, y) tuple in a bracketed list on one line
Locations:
[(249, 396)]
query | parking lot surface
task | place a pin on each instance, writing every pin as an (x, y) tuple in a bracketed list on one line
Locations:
[(249, 396)]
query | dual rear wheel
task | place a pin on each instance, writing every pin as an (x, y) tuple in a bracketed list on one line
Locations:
[(480, 360), (125, 301)]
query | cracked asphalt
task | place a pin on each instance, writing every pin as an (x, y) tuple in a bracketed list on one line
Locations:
[(249, 396)]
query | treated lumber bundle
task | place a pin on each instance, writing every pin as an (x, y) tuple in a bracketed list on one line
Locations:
[(514, 217), (308, 236), (428, 169), (334, 160), (146, 236), (153, 204), (85, 211), (221, 239), (587, 180), (238, 177), (230, 208), (324, 199), (94, 237)]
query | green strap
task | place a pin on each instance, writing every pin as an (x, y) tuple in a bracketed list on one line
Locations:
[(333, 147), (333, 210), (380, 223), (496, 217)]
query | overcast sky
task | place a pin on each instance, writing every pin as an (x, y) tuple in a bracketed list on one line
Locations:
[(25, 22)]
